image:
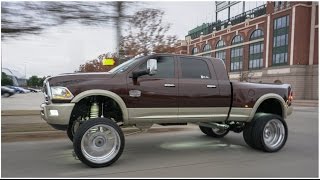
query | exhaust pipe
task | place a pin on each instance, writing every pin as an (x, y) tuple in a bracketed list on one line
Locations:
[(215, 125)]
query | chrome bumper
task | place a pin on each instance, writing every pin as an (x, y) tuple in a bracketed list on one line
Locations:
[(56, 114)]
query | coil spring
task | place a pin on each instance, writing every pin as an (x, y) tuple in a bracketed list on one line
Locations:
[(94, 110)]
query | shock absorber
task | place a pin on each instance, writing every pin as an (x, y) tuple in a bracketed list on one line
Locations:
[(94, 110)]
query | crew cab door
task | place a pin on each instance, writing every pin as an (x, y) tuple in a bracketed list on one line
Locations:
[(199, 91), (158, 100)]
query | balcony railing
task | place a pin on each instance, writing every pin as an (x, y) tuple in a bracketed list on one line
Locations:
[(210, 27)]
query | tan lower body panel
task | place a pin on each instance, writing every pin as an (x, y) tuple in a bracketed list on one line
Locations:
[(183, 115), (152, 115), (212, 114), (240, 114)]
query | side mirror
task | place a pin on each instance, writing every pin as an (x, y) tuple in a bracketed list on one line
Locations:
[(152, 66), (151, 69)]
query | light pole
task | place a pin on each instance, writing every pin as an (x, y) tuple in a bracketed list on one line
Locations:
[(25, 70)]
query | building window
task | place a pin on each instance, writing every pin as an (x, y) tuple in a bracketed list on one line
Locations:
[(256, 51), (220, 44), (206, 48), (236, 54), (256, 56), (237, 39), (194, 51), (280, 41), (222, 53), (257, 34)]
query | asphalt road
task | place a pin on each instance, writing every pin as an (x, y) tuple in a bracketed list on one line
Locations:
[(184, 153)]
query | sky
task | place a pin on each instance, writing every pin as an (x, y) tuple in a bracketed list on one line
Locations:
[(63, 49)]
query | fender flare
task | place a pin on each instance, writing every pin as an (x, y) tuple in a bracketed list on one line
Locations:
[(266, 97), (101, 92)]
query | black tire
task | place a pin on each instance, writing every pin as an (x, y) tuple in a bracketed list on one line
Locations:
[(210, 132), (84, 129), (260, 132), (247, 135), (6, 94), (69, 133)]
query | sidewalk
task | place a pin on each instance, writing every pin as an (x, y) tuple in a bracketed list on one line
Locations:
[(306, 103)]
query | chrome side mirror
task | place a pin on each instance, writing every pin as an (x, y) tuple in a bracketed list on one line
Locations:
[(152, 66)]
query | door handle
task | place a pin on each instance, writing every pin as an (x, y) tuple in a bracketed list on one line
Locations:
[(169, 85), (211, 86)]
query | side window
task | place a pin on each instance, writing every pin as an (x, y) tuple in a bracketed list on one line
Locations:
[(165, 67), (194, 68)]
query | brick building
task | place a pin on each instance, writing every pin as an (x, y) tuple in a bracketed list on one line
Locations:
[(270, 42)]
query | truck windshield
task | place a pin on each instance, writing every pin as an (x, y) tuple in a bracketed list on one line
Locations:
[(124, 66)]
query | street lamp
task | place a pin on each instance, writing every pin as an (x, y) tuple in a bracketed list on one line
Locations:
[(25, 70)]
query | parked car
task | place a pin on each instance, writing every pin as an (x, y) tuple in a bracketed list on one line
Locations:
[(34, 90), (19, 89), (7, 92)]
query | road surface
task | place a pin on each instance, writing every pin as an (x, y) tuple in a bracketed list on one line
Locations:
[(184, 153)]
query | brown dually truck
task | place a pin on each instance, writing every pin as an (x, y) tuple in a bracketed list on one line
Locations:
[(163, 89)]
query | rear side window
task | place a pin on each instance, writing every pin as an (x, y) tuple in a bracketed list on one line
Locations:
[(194, 68)]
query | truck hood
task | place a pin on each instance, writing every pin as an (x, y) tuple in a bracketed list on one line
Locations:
[(71, 78)]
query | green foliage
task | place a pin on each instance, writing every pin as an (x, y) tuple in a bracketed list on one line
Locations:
[(96, 65), (5, 80), (35, 81)]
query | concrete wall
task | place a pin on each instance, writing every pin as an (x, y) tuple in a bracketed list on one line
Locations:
[(303, 79)]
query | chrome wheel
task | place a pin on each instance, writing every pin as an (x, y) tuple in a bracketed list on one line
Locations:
[(100, 144), (273, 134)]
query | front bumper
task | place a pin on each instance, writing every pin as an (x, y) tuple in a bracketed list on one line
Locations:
[(57, 115)]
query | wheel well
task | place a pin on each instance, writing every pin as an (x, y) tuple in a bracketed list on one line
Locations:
[(272, 106), (108, 107)]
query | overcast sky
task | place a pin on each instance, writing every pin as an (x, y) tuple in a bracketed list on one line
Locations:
[(62, 49)]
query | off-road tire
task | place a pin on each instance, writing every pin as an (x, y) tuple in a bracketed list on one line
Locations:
[(84, 129), (256, 134)]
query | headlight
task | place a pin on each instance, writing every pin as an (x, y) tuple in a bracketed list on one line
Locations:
[(59, 92)]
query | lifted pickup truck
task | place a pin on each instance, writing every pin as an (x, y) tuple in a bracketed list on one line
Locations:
[(163, 89)]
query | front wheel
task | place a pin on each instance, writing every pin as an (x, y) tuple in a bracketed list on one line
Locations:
[(214, 132), (98, 142)]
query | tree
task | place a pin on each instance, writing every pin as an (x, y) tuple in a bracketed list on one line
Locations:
[(147, 33), (35, 81), (28, 17), (6, 80), (96, 65)]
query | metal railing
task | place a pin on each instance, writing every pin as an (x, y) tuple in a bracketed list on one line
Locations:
[(253, 13)]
